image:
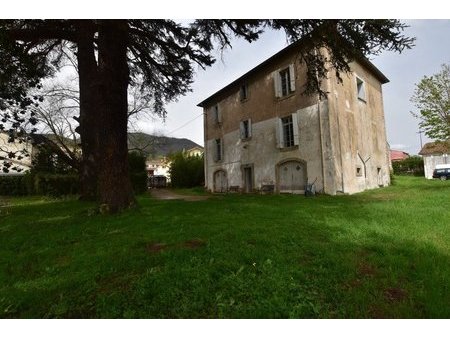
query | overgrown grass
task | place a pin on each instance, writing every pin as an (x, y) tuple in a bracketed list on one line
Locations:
[(382, 253)]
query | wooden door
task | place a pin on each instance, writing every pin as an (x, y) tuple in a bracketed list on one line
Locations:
[(220, 181), (248, 179), (292, 177)]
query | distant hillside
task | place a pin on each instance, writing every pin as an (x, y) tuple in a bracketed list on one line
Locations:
[(157, 146)]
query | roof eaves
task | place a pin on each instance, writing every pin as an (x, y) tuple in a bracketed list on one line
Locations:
[(362, 60)]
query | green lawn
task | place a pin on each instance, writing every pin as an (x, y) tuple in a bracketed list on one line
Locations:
[(382, 253)]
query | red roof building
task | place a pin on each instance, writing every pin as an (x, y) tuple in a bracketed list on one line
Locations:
[(398, 155)]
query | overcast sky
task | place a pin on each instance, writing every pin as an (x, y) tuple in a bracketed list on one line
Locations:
[(403, 70), (184, 119)]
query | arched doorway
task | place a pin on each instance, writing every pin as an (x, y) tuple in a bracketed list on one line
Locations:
[(220, 181), (291, 176)]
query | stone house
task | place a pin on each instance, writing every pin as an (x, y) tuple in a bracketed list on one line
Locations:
[(262, 132), (434, 153)]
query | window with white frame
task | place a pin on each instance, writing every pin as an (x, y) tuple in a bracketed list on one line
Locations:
[(287, 131), (245, 128), (218, 150), (360, 89), (217, 114), (284, 81)]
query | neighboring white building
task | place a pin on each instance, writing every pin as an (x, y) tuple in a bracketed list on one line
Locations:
[(434, 153), (195, 151), (263, 133), (158, 167)]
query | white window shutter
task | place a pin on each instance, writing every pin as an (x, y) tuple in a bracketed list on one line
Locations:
[(249, 127), (277, 83), (279, 133), (292, 77), (295, 128), (242, 129)]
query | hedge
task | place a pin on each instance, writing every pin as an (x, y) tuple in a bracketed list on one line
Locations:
[(13, 185), (39, 184), (409, 166), (138, 174), (55, 184), (186, 171), (59, 184)]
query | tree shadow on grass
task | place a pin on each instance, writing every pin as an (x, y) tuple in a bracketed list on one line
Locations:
[(293, 258)]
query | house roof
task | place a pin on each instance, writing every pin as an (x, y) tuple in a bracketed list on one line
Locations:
[(438, 147), (195, 148), (398, 155), (298, 44), (39, 138)]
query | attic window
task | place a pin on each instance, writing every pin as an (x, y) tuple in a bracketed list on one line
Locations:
[(360, 89)]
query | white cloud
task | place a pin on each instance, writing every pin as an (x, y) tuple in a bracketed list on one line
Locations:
[(399, 146)]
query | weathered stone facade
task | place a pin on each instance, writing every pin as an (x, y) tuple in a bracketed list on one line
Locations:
[(263, 133)]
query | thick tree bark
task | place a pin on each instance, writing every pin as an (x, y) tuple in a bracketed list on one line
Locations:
[(88, 84), (115, 190)]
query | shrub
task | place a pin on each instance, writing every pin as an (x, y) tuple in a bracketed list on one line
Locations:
[(13, 185), (186, 171), (139, 182), (138, 174), (409, 166), (55, 184), (46, 161), (40, 183)]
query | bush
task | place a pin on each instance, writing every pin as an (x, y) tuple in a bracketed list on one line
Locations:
[(13, 185), (55, 184), (186, 171), (409, 166), (43, 180), (40, 184), (46, 161), (139, 182), (391, 175), (138, 174)]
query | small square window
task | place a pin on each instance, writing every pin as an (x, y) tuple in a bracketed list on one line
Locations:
[(358, 171)]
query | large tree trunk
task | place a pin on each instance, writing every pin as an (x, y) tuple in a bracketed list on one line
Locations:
[(88, 84), (114, 186)]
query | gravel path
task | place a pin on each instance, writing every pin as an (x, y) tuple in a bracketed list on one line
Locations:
[(165, 194)]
